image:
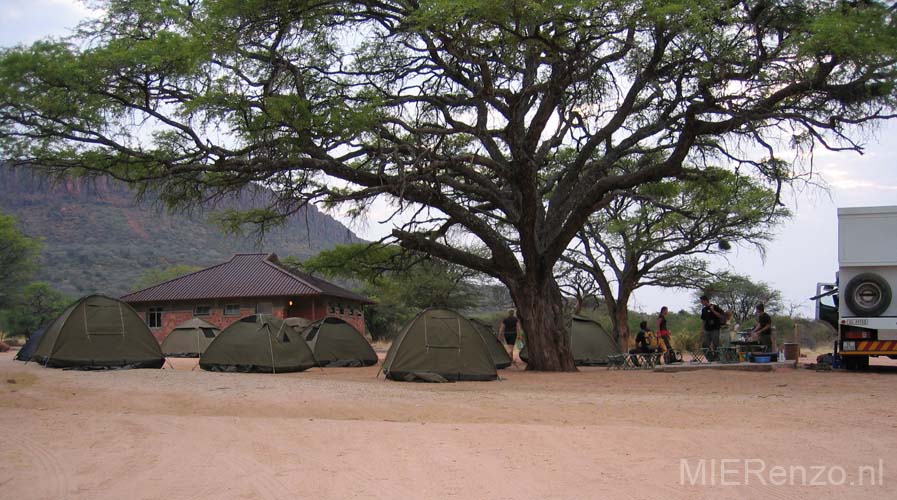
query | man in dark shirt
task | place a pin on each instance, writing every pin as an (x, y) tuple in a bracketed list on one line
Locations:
[(763, 330), (508, 330), (641, 340), (711, 321)]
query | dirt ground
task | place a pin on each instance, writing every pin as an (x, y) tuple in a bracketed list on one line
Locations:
[(342, 433)]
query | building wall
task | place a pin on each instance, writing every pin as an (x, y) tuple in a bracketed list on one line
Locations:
[(313, 308), (320, 307)]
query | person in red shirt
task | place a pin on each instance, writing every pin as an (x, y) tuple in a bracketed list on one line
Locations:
[(663, 333)]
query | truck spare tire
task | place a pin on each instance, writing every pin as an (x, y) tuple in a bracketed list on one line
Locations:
[(868, 294)]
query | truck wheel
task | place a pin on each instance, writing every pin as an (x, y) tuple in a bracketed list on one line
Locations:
[(868, 294), (854, 363)]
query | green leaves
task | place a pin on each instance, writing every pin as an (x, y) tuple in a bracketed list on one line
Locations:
[(18, 258), (36, 304), (401, 282), (861, 32)]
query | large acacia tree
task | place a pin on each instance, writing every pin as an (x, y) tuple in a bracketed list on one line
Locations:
[(499, 121), (662, 233)]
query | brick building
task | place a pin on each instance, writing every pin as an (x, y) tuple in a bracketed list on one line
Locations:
[(245, 285)]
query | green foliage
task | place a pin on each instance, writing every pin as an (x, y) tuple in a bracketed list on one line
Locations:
[(34, 306), (737, 293), (161, 274), (660, 233), (402, 283), (18, 258)]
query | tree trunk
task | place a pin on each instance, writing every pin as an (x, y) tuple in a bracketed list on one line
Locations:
[(620, 319), (540, 309)]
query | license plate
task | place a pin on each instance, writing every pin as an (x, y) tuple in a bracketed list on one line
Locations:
[(857, 322), (849, 346)]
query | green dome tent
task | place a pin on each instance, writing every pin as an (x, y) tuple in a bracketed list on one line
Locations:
[(259, 343), (439, 345), (591, 343), (189, 339), (337, 343), (97, 333), (496, 348)]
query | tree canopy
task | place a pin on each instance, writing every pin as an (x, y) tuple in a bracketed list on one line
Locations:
[(661, 234), (507, 122), (739, 294), (18, 258), (36, 305), (401, 282)]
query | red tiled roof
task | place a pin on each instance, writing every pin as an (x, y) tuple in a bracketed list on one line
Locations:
[(245, 275)]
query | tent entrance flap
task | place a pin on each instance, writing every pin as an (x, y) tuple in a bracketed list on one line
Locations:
[(103, 320), (442, 333)]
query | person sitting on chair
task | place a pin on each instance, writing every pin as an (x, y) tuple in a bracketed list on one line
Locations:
[(641, 340)]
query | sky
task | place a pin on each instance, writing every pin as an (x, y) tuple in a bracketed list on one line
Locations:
[(803, 252)]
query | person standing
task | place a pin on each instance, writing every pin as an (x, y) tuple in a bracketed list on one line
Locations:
[(763, 329), (508, 331), (663, 333), (711, 322)]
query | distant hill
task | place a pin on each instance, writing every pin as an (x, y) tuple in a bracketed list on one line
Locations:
[(96, 239)]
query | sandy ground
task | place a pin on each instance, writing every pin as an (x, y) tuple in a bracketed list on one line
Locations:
[(342, 433)]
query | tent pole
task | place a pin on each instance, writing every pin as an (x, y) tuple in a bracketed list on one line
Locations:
[(271, 347)]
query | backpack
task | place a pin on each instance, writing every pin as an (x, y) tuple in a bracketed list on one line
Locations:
[(672, 356)]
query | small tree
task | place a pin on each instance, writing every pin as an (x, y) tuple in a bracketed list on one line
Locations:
[(401, 282), (18, 259), (37, 304), (737, 293), (659, 235)]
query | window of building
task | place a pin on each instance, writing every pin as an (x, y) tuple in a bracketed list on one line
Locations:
[(232, 309), (264, 308), (202, 310), (332, 308), (154, 317)]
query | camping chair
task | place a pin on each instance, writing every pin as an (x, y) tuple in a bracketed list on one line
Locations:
[(648, 360), (656, 358), (672, 356), (699, 355), (615, 362), (727, 355), (630, 362)]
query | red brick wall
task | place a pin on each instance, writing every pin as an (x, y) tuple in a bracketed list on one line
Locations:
[(320, 307), (312, 308)]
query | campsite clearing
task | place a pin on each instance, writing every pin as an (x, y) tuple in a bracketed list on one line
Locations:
[(342, 433)]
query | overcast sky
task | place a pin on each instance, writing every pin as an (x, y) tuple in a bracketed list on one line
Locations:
[(804, 251)]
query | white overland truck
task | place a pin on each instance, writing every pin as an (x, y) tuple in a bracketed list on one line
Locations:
[(866, 279)]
